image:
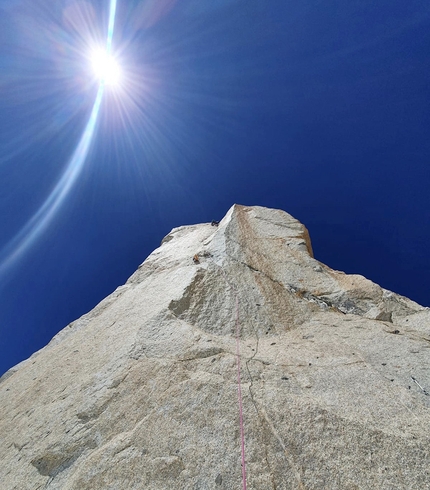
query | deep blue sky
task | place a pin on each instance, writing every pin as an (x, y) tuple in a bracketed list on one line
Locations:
[(320, 108)]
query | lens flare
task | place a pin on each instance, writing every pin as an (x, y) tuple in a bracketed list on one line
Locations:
[(41, 219), (108, 72)]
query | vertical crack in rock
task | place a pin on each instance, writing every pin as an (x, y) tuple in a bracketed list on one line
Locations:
[(260, 418)]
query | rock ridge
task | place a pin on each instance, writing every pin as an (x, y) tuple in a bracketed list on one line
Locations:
[(141, 392)]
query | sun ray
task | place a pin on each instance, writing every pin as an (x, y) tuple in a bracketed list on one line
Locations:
[(41, 219)]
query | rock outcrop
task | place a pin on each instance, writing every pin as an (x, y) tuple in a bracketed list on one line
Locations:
[(142, 392)]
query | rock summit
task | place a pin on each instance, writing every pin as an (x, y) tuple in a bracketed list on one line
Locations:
[(230, 359)]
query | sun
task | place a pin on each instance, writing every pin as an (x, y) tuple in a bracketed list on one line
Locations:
[(105, 67)]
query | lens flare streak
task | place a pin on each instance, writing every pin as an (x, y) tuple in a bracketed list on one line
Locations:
[(111, 25), (33, 229)]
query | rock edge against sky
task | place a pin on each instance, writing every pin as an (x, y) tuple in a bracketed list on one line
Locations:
[(141, 392)]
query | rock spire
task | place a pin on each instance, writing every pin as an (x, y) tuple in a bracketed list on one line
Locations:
[(142, 392)]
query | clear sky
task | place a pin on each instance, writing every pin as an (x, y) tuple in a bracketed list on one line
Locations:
[(320, 108)]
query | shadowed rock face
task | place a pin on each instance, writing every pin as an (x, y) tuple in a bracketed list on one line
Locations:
[(142, 391)]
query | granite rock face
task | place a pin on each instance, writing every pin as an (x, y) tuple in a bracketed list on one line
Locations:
[(142, 392)]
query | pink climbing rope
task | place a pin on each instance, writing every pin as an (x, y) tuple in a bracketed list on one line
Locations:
[(239, 394)]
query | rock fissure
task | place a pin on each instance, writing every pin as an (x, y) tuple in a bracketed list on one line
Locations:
[(288, 456)]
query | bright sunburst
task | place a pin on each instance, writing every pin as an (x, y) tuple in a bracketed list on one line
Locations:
[(107, 71), (105, 67)]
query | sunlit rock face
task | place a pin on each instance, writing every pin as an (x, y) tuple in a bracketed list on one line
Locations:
[(142, 392)]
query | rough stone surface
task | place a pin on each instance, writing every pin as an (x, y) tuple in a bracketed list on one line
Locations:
[(141, 393)]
